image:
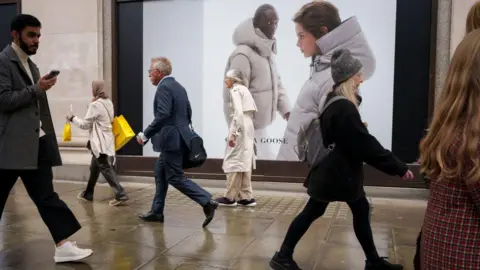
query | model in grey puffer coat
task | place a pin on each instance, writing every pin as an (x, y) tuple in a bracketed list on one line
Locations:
[(311, 98)]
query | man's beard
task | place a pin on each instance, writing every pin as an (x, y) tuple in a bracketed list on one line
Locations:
[(26, 49)]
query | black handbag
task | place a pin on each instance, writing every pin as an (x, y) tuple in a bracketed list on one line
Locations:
[(197, 155)]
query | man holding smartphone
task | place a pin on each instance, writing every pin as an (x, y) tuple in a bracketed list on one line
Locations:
[(28, 144)]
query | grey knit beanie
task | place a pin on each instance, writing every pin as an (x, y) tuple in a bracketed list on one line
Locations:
[(344, 66)]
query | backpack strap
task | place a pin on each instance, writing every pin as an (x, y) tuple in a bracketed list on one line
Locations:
[(331, 101)]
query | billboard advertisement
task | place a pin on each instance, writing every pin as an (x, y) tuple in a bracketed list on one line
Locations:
[(200, 36)]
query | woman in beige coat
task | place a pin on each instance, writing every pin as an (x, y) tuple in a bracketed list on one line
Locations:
[(98, 121), (239, 158)]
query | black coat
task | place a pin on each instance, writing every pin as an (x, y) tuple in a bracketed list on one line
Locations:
[(340, 175), (22, 106)]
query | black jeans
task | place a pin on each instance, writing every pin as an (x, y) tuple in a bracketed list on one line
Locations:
[(103, 166), (417, 263), (39, 185), (315, 209)]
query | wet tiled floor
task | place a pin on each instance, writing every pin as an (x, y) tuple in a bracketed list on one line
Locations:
[(237, 238)]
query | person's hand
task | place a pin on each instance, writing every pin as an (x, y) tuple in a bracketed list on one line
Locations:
[(45, 84), (140, 141), (231, 140), (286, 116), (408, 175), (70, 117)]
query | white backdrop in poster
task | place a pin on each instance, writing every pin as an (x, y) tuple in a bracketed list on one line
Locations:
[(197, 37)]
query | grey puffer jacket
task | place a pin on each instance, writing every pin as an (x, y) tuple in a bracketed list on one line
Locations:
[(255, 57), (311, 98)]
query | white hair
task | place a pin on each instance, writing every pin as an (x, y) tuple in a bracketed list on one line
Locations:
[(163, 65), (236, 75)]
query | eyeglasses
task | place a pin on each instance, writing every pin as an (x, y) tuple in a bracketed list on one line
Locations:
[(152, 70)]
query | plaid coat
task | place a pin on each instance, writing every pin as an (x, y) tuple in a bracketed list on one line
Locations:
[(451, 228)]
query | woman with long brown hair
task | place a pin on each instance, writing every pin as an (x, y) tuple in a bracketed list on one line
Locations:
[(450, 158), (473, 18)]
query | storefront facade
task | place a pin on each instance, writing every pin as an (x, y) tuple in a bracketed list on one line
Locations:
[(115, 39), (397, 100)]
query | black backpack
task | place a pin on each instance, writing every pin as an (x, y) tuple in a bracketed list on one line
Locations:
[(197, 155)]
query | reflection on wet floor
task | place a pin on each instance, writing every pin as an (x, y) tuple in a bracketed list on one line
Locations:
[(238, 238)]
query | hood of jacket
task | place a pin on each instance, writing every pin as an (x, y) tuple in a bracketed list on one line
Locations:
[(246, 34), (348, 35)]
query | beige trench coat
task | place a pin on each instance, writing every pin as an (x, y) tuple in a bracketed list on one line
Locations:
[(241, 158), (98, 121)]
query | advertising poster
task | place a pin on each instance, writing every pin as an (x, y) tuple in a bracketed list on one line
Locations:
[(200, 36)]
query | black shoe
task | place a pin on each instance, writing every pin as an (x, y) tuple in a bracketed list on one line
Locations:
[(279, 263), (85, 196), (209, 211), (152, 217), (382, 264), (247, 203), (226, 202)]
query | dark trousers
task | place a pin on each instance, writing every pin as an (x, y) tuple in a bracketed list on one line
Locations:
[(103, 166), (315, 209), (39, 184), (169, 170), (417, 263)]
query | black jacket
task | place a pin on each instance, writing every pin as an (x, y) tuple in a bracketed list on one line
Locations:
[(340, 176)]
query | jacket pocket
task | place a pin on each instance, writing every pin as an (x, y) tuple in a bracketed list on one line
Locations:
[(264, 102)]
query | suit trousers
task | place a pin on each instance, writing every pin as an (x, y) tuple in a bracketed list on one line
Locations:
[(102, 165), (239, 186), (60, 221), (169, 170)]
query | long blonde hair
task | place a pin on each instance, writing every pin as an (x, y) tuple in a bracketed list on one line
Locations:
[(456, 120), (348, 88)]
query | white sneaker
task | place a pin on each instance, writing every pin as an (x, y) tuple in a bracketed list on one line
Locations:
[(70, 252)]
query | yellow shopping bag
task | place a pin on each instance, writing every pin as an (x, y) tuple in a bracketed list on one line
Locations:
[(67, 132), (122, 131)]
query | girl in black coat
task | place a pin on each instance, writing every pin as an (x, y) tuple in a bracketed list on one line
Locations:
[(339, 177)]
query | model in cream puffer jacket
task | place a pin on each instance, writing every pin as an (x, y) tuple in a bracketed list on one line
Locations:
[(311, 98), (255, 57)]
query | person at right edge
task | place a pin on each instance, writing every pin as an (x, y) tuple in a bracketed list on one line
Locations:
[(472, 23), (450, 160), (339, 177)]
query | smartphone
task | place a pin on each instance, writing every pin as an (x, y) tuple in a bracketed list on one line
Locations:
[(52, 74)]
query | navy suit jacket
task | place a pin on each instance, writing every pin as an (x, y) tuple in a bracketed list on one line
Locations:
[(170, 130)]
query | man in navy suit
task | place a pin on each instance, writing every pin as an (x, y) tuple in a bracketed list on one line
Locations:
[(170, 133)]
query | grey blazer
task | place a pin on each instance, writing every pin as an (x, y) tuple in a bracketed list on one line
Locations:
[(22, 106)]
